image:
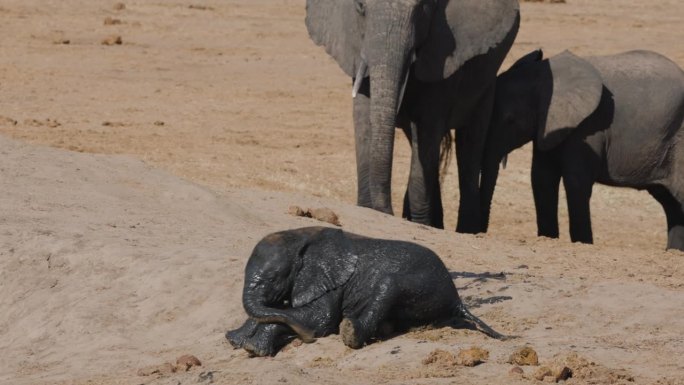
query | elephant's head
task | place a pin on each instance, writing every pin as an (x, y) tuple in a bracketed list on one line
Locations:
[(383, 39), (290, 269), (538, 99)]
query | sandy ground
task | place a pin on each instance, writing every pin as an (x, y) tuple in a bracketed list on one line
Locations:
[(226, 114)]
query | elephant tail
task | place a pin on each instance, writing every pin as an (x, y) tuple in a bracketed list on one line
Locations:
[(446, 151), (464, 315)]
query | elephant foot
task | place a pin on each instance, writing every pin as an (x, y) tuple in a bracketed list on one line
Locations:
[(675, 238), (350, 330), (469, 229)]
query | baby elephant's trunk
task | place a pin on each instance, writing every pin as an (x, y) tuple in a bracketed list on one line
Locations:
[(255, 306)]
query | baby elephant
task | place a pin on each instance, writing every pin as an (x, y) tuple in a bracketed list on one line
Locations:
[(615, 120), (315, 281)]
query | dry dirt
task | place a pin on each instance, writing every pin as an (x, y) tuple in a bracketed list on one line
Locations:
[(123, 247)]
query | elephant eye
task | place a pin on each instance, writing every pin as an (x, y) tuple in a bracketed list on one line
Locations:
[(360, 7)]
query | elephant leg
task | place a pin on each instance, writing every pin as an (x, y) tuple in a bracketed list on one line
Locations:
[(545, 183), (578, 187), (470, 142), (357, 331), (396, 303), (238, 336), (675, 233), (362, 136), (268, 339), (674, 212), (424, 193)]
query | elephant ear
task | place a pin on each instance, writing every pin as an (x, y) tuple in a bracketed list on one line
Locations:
[(573, 94), (327, 263), (461, 30), (532, 57), (336, 26)]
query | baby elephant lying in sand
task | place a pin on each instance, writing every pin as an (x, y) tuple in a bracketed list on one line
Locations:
[(316, 281)]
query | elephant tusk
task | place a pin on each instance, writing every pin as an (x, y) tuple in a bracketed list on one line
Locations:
[(403, 85), (360, 74), (504, 161)]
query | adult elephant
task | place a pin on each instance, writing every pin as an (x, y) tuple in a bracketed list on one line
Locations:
[(425, 66)]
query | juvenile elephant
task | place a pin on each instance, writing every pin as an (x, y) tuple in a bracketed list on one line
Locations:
[(616, 120), (426, 66), (315, 281)]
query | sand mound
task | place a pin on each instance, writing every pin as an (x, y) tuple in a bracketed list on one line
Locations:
[(101, 255), (109, 267)]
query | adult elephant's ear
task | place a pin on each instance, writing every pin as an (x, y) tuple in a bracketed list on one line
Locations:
[(531, 58), (462, 29), (336, 25), (326, 264), (570, 91)]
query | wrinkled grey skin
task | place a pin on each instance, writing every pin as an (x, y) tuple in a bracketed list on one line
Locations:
[(315, 281), (426, 66), (615, 120)]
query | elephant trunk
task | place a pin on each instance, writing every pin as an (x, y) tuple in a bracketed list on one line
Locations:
[(257, 306), (389, 64)]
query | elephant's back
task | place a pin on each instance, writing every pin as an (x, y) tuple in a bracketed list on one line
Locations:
[(647, 91), (647, 65), (642, 83), (399, 257)]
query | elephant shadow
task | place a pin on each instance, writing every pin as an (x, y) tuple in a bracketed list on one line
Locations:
[(473, 302)]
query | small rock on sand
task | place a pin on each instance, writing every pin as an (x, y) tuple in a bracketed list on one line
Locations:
[(472, 357), (323, 214), (52, 123), (111, 21), (566, 365), (524, 356), (322, 362), (541, 372), (552, 373), (562, 373), (296, 211), (440, 357), (200, 7), (7, 121), (185, 362), (112, 40)]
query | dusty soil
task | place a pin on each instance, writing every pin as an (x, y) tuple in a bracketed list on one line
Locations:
[(226, 115)]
